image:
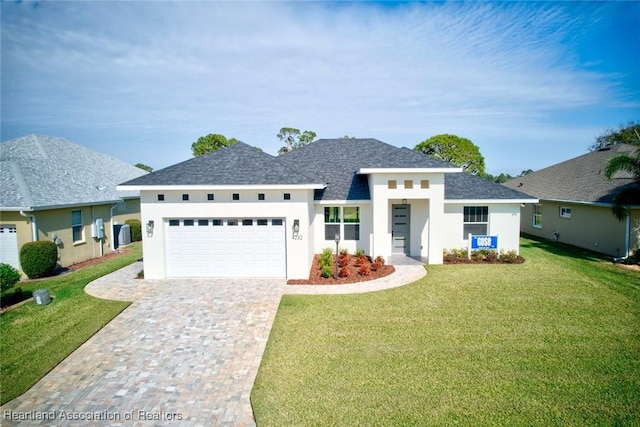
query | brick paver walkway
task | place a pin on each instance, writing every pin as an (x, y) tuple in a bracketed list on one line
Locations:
[(186, 352)]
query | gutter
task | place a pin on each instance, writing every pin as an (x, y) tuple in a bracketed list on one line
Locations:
[(112, 238), (34, 225)]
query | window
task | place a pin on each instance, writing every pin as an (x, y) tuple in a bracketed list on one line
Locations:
[(160, 197), (216, 222), (276, 222), (232, 222), (351, 223), (76, 225), (408, 184), (247, 222), (203, 222), (537, 216), (392, 184), (188, 222), (287, 196), (343, 221), (235, 196), (424, 183), (476, 221), (260, 196), (174, 222), (210, 197), (565, 212), (262, 222), (185, 197)]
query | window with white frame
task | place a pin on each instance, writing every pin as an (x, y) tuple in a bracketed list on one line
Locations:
[(565, 212), (342, 221), (537, 216), (476, 221), (76, 226)]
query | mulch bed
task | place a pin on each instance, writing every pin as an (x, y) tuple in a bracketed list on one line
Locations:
[(315, 278), (479, 260)]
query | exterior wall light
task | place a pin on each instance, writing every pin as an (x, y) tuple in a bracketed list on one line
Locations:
[(150, 226)]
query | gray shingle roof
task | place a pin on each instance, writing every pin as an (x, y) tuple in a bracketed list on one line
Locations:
[(336, 161), (237, 164), (580, 179), (461, 186), (39, 171)]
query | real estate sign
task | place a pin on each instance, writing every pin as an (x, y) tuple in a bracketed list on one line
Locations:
[(482, 242)]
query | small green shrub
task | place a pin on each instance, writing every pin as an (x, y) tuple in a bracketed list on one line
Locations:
[(344, 252), (136, 229), (38, 259), (359, 252), (326, 271), (510, 257), (9, 276)]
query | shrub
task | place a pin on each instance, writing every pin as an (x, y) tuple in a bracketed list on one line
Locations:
[(326, 271), (326, 258), (344, 252), (510, 257), (364, 270), (344, 272), (136, 229), (38, 259), (343, 260), (359, 252), (377, 263), (9, 276)]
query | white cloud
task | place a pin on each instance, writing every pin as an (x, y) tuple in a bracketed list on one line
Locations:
[(131, 72)]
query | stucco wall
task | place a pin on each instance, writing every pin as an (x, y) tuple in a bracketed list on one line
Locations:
[(590, 227), (298, 251), (504, 220), (366, 229)]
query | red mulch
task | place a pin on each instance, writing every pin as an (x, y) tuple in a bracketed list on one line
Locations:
[(98, 260), (315, 278)]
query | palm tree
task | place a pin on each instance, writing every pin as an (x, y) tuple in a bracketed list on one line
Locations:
[(626, 163)]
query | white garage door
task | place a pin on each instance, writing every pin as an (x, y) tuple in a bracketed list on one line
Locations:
[(225, 247), (9, 245)]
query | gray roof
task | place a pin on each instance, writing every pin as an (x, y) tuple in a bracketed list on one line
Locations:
[(336, 162), (332, 164), (237, 164), (462, 186), (39, 171), (580, 179)]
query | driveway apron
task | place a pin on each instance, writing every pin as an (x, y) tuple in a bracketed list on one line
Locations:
[(185, 352)]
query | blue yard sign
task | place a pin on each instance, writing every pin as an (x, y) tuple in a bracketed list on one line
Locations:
[(484, 242)]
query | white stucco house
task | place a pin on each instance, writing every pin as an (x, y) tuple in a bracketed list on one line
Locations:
[(241, 212)]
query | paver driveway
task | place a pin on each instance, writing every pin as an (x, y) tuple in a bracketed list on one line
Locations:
[(186, 352)]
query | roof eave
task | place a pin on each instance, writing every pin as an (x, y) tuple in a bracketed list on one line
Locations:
[(160, 187), (365, 171), (63, 206), (493, 201), (585, 203)]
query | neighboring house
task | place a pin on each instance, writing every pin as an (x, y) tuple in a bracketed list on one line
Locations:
[(575, 204), (241, 212), (52, 189)]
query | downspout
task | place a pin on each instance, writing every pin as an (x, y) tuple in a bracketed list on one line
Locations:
[(34, 225), (627, 233)]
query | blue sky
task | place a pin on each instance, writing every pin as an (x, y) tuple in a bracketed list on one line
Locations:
[(530, 83)]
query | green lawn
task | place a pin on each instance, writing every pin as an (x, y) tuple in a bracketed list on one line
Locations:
[(553, 341), (35, 338)]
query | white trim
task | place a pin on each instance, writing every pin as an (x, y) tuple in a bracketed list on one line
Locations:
[(365, 171), (577, 202), (219, 187), (342, 202), (476, 201)]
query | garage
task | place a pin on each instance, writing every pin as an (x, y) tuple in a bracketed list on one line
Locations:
[(9, 245), (225, 247)]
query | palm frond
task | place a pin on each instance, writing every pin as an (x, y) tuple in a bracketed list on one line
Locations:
[(623, 162), (625, 196)]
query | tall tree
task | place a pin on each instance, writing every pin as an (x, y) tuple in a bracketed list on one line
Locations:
[(626, 134), (209, 143), (451, 148), (627, 195), (293, 139), (144, 167)]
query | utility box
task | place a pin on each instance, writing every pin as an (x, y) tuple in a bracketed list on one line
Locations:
[(41, 297), (123, 235), (97, 229)]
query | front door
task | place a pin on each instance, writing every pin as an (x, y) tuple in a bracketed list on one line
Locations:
[(400, 217)]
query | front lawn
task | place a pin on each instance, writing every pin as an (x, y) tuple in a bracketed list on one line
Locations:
[(553, 341), (35, 338)]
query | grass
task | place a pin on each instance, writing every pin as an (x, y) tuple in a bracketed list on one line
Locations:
[(553, 341), (36, 338)]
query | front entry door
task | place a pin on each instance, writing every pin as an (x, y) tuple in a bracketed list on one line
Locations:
[(400, 217)]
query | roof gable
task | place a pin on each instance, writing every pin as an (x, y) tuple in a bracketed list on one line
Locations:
[(41, 171), (237, 164), (580, 179)]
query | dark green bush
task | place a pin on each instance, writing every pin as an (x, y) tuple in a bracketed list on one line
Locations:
[(38, 259), (9, 276), (136, 229)]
